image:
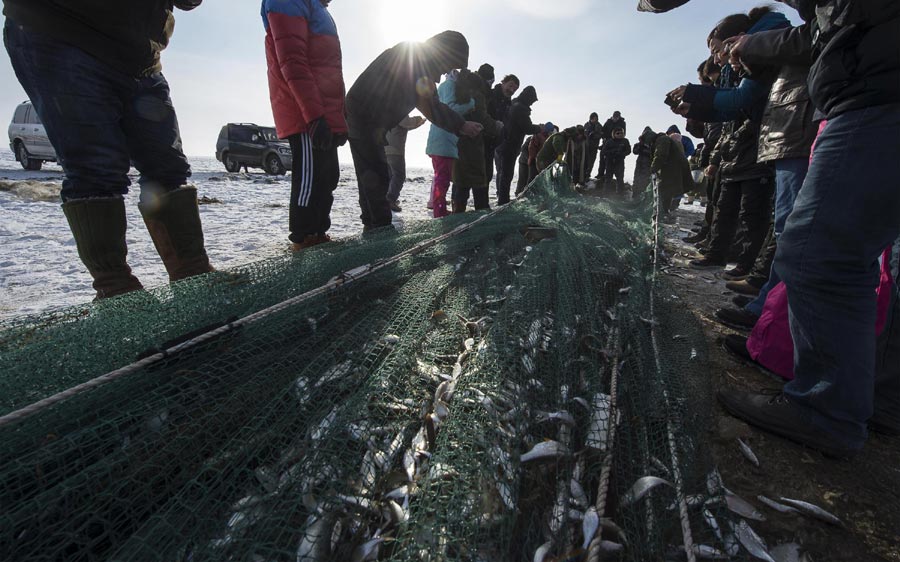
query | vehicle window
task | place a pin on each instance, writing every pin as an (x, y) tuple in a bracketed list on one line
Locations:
[(33, 118), (242, 134), (19, 115), (270, 135)]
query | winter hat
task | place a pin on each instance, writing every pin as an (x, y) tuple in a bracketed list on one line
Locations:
[(673, 129), (528, 95), (486, 71), (447, 50), (617, 114), (548, 127)]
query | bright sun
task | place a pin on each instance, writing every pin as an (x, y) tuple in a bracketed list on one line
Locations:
[(410, 20)]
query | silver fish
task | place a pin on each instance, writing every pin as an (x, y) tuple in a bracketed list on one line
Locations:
[(609, 547), (391, 339), (659, 465), (748, 452), (541, 553), (742, 507), (561, 417), (578, 495), (314, 544), (752, 542), (545, 450), (394, 513), (598, 432), (441, 410), (589, 526), (813, 511), (398, 493), (781, 508), (367, 551), (641, 487), (409, 464), (732, 546)]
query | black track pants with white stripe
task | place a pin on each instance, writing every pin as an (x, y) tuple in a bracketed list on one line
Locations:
[(314, 178)]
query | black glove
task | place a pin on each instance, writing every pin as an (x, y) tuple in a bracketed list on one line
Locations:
[(320, 135)]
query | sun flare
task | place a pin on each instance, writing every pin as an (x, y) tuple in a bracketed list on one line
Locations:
[(410, 20)]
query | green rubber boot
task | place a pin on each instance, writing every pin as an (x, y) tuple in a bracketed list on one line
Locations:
[(98, 226), (173, 219)]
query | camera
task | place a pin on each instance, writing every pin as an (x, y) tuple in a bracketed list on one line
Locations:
[(671, 102)]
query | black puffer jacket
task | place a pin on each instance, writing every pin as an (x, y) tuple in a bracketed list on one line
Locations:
[(498, 104), (736, 152), (853, 45), (129, 35)]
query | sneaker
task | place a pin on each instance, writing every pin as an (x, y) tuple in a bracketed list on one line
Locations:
[(707, 262), (395, 206), (737, 318), (773, 412), (743, 287), (741, 301), (736, 273)]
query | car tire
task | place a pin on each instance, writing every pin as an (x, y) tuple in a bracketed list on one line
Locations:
[(231, 165), (28, 163), (273, 165)]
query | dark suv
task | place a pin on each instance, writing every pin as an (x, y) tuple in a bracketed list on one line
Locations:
[(249, 145)]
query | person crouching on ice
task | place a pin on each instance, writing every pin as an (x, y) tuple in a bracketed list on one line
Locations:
[(306, 87), (400, 79)]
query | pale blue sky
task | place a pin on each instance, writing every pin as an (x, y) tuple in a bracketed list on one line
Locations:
[(581, 56)]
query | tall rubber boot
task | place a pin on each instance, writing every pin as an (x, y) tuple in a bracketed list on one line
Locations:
[(98, 226), (173, 219), (458, 206), (481, 196)]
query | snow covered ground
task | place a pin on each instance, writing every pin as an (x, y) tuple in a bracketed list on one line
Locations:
[(39, 265)]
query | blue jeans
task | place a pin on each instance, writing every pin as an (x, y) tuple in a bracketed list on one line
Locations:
[(789, 176), (847, 213), (98, 119)]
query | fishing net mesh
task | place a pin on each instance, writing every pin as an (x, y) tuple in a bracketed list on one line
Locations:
[(467, 400)]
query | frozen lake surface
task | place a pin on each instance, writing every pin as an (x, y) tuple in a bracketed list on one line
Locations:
[(245, 220)]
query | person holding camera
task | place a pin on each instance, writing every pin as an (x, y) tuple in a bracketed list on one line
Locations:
[(92, 70), (306, 86)]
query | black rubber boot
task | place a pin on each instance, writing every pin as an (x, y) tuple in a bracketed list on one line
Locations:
[(98, 226), (173, 219), (481, 197)]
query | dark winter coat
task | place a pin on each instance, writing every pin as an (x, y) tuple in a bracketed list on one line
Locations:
[(736, 152), (671, 165), (518, 121), (711, 134), (612, 124), (787, 126), (498, 104), (128, 35), (469, 169), (555, 147), (593, 132), (303, 53), (854, 48), (402, 78), (615, 151)]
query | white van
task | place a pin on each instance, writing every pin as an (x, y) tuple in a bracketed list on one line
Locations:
[(28, 139)]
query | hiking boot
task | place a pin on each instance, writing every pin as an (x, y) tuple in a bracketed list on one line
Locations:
[(309, 241), (741, 301), (173, 220), (736, 346), (736, 273), (395, 206), (737, 318), (99, 225), (773, 412), (743, 287), (707, 262)]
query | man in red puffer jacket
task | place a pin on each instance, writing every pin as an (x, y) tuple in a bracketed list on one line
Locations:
[(306, 86)]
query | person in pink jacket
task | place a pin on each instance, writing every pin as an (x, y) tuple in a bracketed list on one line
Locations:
[(306, 87)]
